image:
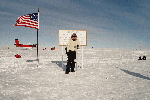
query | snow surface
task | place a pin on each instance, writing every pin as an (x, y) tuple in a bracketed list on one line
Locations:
[(107, 74)]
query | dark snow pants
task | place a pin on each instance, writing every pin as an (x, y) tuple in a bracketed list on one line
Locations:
[(71, 57)]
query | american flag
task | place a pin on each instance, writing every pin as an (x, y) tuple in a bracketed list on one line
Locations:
[(29, 20)]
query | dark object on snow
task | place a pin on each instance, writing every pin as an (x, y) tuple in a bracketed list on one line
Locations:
[(144, 58), (44, 49), (53, 48), (17, 56), (140, 58)]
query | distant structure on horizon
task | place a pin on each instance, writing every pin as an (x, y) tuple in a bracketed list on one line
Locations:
[(53, 48), (21, 45)]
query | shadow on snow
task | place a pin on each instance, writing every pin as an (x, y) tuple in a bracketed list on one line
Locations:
[(59, 63), (135, 74), (32, 60)]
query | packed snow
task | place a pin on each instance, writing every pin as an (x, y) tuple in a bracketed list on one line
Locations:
[(107, 74)]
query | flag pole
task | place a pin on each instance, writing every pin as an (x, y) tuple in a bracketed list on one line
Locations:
[(37, 37)]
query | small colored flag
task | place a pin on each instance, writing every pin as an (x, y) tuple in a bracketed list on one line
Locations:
[(29, 20)]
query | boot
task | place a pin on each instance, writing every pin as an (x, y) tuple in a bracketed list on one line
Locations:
[(67, 69), (72, 70), (66, 72), (72, 67)]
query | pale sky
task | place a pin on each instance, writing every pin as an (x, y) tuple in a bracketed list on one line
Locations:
[(110, 23)]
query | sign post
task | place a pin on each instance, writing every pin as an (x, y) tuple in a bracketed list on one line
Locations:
[(62, 58), (82, 57)]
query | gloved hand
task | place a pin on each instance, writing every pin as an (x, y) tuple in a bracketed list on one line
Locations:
[(77, 46)]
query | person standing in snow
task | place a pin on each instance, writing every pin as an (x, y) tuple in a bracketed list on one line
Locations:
[(73, 45)]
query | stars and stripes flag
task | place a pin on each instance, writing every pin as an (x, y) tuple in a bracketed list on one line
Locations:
[(29, 20)]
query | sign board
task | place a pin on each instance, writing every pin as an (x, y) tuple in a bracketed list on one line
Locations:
[(65, 35)]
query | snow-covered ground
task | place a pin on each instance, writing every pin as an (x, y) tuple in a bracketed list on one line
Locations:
[(107, 74)]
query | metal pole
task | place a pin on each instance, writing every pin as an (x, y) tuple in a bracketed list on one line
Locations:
[(37, 49), (82, 57), (62, 58), (37, 37), (76, 65)]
